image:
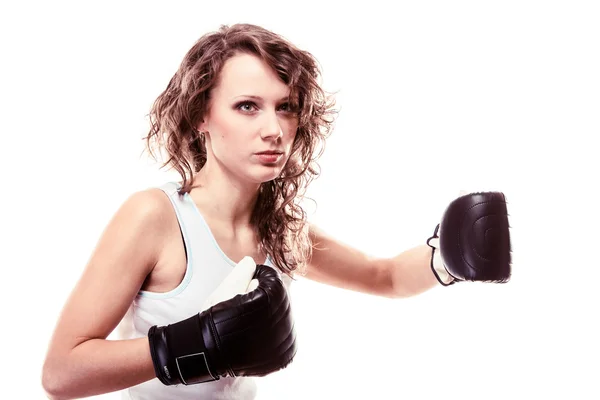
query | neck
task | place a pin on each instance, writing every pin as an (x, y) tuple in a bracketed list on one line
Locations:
[(224, 198)]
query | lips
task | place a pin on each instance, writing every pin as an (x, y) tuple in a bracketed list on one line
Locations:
[(269, 157)]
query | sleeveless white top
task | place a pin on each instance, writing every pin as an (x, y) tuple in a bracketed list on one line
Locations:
[(207, 266)]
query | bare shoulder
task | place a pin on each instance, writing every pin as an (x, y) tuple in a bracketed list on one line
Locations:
[(148, 208), (319, 237), (145, 222), (315, 232), (125, 254)]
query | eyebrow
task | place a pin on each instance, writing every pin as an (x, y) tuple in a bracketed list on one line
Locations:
[(259, 98)]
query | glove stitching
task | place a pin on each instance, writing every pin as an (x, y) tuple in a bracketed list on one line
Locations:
[(461, 223)]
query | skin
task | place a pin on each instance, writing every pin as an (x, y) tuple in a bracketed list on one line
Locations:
[(141, 247)]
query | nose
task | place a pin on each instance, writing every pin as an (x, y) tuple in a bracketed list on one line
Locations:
[(271, 128)]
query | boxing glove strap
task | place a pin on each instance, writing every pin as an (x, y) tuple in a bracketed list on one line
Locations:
[(179, 354), (163, 369)]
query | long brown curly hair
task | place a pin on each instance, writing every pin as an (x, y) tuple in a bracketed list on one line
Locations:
[(278, 218)]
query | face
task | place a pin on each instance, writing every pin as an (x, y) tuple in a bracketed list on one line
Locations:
[(250, 126)]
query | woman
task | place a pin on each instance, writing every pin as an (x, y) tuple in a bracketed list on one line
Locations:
[(243, 121)]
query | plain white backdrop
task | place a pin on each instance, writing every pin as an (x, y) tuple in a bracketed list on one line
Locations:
[(434, 97)]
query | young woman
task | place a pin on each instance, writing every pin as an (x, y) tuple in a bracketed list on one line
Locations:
[(242, 121)]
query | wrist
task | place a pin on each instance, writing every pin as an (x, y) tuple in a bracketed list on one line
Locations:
[(179, 352), (437, 261), (164, 368)]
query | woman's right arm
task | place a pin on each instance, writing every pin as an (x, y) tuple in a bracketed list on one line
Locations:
[(80, 362)]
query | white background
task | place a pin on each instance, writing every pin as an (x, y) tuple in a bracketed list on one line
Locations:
[(435, 97)]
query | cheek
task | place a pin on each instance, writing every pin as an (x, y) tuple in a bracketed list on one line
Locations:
[(226, 127), (290, 128)]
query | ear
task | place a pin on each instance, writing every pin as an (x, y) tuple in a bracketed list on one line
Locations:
[(202, 126)]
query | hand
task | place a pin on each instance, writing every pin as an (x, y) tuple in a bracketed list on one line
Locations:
[(472, 242), (251, 334)]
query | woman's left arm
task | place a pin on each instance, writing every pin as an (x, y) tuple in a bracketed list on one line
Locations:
[(338, 264)]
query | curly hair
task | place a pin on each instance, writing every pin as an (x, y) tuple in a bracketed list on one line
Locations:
[(278, 218)]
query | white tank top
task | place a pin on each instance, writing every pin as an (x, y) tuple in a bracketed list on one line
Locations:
[(207, 266)]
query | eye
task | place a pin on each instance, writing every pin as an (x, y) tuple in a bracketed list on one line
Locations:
[(246, 106), (288, 108)]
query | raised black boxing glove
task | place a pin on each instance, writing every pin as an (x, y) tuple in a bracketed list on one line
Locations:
[(251, 334), (472, 241)]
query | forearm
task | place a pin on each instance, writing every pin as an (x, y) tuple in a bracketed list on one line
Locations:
[(410, 272), (98, 366)]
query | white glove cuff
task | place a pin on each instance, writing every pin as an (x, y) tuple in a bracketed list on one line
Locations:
[(437, 262)]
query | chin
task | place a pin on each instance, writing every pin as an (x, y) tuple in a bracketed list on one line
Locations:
[(265, 174)]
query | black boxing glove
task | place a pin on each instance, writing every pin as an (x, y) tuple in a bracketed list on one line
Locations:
[(472, 241), (251, 334)]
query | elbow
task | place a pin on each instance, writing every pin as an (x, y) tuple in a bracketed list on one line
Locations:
[(54, 383)]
